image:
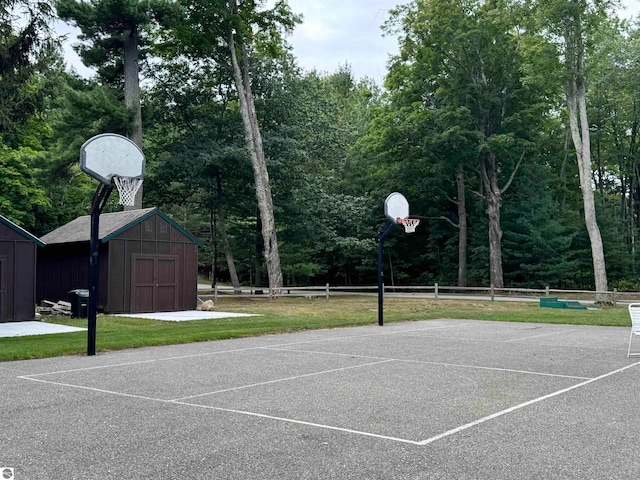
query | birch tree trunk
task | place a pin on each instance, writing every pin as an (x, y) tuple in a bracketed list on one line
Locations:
[(253, 140), (579, 126), (132, 96)]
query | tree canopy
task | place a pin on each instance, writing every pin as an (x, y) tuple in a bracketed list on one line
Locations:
[(259, 158)]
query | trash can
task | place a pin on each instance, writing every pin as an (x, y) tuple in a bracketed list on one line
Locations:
[(79, 301)]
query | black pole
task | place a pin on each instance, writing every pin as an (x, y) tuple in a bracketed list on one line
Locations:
[(99, 199), (386, 229)]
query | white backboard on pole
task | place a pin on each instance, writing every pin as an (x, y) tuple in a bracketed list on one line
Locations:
[(108, 155), (396, 206)]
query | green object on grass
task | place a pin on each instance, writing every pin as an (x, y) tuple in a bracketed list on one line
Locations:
[(553, 302)]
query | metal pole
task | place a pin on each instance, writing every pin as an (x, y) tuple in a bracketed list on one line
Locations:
[(386, 229), (380, 284), (99, 199)]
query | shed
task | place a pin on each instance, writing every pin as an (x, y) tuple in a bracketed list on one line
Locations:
[(18, 254), (147, 262)]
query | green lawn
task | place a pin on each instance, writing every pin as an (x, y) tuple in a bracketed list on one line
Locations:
[(289, 315)]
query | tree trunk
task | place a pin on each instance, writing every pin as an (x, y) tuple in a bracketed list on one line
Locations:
[(493, 197), (222, 231), (214, 244), (462, 228), (253, 140), (132, 96), (259, 253), (579, 124)]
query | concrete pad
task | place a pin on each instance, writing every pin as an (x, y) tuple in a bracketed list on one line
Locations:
[(185, 316), (21, 329)]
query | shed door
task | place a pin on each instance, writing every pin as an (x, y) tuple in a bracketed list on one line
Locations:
[(154, 283), (3, 291)]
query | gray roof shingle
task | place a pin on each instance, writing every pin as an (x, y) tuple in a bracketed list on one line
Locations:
[(79, 230)]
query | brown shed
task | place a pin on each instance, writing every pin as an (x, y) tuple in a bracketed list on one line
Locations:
[(148, 263), (18, 254)]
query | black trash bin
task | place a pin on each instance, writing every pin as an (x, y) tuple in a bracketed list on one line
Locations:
[(79, 302)]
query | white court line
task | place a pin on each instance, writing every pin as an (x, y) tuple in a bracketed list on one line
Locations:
[(93, 389), (522, 405), (300, 422), (237, 350), (536, 336), (341, 429), (426, 362), (228, 410), (286, 379)]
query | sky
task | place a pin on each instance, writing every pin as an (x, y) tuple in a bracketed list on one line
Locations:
[(339, 32), (344, 32), (335, 33)]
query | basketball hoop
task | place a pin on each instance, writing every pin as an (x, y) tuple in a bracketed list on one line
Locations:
[(127, 188), (114, 159), (409, 224)]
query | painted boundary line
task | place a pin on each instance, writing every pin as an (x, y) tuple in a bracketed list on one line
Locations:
[(380, 360), (426, 362), (523, 339), (522, 405), (537, 336), (239, 412), (336, 428), (236, 350), (286, 379)]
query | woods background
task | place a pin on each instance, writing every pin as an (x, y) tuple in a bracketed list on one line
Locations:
[(486, 112)]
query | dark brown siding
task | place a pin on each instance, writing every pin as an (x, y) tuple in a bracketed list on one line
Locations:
[(65, 267), (155, 283), (151, 241), (17, 276)]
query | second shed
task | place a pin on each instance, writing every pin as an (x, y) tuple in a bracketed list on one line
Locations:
[(148, 263)]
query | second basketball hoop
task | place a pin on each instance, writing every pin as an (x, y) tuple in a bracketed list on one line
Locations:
[(396, 209), (409, 224)]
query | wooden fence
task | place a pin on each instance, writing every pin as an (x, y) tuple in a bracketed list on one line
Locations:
[(435, 291)]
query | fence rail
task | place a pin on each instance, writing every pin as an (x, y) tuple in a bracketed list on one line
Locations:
[(435, 291)]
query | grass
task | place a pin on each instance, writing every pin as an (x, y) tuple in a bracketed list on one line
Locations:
[(289, 315)]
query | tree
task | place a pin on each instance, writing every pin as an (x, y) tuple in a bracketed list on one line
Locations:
[(25, 51), (76, 109), (573, 21), (197, 158), (314, 121), (20, 194), (230, 32), (117, 31), (465, 62)]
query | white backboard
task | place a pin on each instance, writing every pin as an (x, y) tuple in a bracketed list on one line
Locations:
[(396, 206), (109, 154)]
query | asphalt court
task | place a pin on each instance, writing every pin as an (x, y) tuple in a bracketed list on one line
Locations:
[(432, 399)]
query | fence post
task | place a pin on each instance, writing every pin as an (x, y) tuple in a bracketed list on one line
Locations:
[(435, 291), (215, 293), (492, 292), (327, 290), (615, 295), (546, 291)]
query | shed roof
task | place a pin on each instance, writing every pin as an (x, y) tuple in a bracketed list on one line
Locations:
[(111, 225), (21, 231)]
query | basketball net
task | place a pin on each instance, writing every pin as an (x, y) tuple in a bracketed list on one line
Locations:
[(409, 224), (127, 188)]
